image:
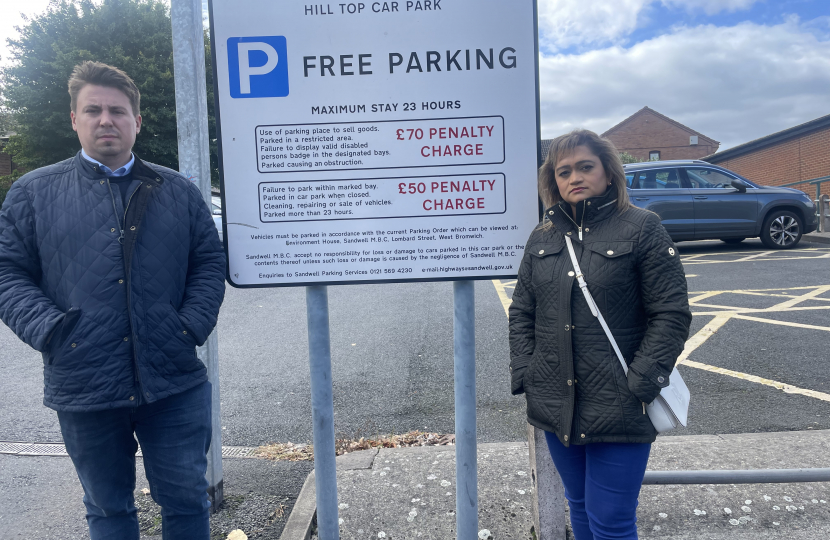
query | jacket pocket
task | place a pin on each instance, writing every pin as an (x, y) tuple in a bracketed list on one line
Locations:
[(544, 262), (611, 250), (611, 264), (181, 330), (182, 347), (63, 336)]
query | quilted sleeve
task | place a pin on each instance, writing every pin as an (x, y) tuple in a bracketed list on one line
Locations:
[(666, 302), (25, 309), (205, 285), (522, 325)]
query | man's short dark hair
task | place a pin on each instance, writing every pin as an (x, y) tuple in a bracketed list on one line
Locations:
[(103, 75)]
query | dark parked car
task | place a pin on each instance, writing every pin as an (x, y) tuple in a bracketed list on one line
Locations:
[(697, 201)]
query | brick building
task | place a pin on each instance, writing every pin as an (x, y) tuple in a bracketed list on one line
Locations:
[(649, 135), (795, 154)]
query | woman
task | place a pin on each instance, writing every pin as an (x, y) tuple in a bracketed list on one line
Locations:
[(594, 418)]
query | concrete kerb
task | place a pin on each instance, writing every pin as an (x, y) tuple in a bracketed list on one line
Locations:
[(301, 522), (817, 237)]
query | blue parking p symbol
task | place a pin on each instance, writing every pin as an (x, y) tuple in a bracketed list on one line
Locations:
[(258, 66)]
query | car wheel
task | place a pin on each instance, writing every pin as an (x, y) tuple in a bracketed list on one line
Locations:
[(732, 240), (782, 230)]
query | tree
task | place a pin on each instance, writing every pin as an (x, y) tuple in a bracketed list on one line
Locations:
[(6, 122), (134, 35), (628, 158)]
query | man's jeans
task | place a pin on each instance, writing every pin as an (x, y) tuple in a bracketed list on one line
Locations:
[(174, 434)]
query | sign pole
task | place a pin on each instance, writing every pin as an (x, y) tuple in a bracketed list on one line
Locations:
[(322, 412), (466, 466), (194, 162)]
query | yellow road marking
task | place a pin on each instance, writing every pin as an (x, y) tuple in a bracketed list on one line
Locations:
[(807, 296), (703, 296), (691, 275), (754, 256), (800, 250), (771, 295), (826, 256), (505, 301), (787, 388), (782, 323), (700, 338), (761, 290), (721, 318), (736, 311), (731, 309)]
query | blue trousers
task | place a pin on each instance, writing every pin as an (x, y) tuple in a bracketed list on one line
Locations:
[(602, 482), (175, 436)]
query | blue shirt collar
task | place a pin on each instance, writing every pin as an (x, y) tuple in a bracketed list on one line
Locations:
[(121, 171)]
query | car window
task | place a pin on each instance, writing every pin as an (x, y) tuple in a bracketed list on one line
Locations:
[(702, 178), (217, 210), (657, 179), (629, 178)]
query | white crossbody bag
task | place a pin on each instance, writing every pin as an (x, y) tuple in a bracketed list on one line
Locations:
[(668, 409)]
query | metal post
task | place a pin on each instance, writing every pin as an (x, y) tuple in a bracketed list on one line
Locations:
[(322, 412), (194, 163), (466, 466)]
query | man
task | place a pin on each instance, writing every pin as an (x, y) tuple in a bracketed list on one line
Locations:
[(112, 268)]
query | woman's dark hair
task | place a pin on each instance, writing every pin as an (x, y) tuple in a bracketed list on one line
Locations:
[(99, 74), (602, 148)]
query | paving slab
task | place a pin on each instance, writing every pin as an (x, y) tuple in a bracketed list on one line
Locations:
[(41, 499), (798, 511), (409, 493)]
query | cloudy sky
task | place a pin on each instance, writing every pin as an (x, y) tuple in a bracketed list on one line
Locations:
[(734, 70)]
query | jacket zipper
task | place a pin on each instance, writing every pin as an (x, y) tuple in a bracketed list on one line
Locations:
[(581, 222), (122, 226)]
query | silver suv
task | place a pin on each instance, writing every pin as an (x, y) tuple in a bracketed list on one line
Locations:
[(698, 201)]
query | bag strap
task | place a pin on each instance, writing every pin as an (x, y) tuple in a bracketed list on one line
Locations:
[(593, 305)]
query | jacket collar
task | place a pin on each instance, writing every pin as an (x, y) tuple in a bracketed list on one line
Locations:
[(588, 212), (140, 170)]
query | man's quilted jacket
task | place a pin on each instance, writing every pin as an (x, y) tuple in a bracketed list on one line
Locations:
[(560, 356), (113, 315)]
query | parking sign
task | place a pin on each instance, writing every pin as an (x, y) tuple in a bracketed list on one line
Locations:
[(406, 150), (258, 66)]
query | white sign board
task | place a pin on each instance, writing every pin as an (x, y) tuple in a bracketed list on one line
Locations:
[(376, 141)]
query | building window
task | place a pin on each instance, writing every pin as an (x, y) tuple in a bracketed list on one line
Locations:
[(654, 155)]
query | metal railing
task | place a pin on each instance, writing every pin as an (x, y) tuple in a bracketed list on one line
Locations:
[(549, 496), (822, 212), (752, 476)]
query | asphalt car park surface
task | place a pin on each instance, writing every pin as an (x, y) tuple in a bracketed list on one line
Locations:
[(392, 355), (757, 362)]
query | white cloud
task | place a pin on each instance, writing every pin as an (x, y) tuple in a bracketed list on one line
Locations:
[(10, 11), (564, 23), (567, 23), (710, 7), (733, 84)]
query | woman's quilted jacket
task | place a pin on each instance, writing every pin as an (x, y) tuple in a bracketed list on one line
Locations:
[(560, 356)]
